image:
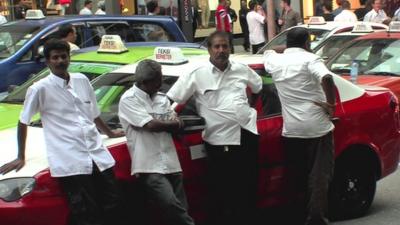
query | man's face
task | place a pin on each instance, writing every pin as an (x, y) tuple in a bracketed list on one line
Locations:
[(73, 35), (243, 4), (228, 3), (153, 86), (282, 4), (58, 61), (377, 5), (219, 51), (89, 6)]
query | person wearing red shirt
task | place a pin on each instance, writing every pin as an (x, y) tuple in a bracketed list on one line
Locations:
[(223, 21)]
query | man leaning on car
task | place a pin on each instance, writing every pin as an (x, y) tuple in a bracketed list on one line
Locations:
[(76, 154)]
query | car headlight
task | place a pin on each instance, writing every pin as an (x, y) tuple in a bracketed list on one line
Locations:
[(14, 188)]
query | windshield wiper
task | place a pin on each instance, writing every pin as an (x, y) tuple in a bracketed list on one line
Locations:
[(382, 73), (341, 70)]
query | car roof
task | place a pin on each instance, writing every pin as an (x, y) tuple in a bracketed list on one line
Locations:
[(381, 35), (340, 25)]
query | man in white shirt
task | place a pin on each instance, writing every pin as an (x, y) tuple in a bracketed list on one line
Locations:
[(230, 134), (376, 14), (67, 33), (101, 5), (306, 90), (87, 9), (76, 154), (3, 19), (255, 23), (148, 121), (346, 15), (396, 16)]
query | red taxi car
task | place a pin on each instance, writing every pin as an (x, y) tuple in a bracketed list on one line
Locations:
[(367, 144), (378, 58)]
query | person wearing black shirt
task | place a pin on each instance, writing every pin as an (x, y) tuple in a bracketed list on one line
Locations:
[(243, 24), (327, 8), (20, 10), (360, 12)]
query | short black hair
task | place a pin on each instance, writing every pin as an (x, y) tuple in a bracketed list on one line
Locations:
[(151, 6), (286, 1), (216, 34), (252, 4), (64, 30), (87, 2), (346, 4), (328, 6), (297, 37), (362, 2), (55, 44)]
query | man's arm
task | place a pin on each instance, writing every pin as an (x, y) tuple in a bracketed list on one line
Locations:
[(164, 126), (105, 129), (18, 163), (329, 89)]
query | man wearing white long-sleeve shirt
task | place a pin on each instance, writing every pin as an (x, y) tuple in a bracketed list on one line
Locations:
[(376, 14)]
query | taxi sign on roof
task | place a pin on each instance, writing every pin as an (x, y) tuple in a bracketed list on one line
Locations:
[(316, 20), (111, 44), (394, 26), (169, 56), (362, 28), (34, 14)]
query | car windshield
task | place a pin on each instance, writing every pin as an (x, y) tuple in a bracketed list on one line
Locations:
[(316, 35), (13, 37), (91, 70), (374, 56), (332, 45)]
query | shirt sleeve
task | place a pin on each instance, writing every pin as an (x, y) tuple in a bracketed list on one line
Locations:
[(259, 18), (133, 112), (182, 90), (95, 108), (254, 81), (31, 105), (267, 55), (318, 69)]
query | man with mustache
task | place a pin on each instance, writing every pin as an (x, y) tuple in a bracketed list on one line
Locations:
[(230, 134), (76, 154)]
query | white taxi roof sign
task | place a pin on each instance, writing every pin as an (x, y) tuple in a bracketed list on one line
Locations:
[(362, 28), (111, 44), (316, 20), (34, 14), (394, 26), (169, 56)]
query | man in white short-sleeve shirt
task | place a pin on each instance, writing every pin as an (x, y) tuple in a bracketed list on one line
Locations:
[(230, 134), (87, 8), (148, 121), (376, 14), (307, 94), (346, 15), (75, 151), (256, 24)]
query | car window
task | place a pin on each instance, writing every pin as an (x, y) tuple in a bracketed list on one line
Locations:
[(375, 57), (13, 37), (332, 45), (98, 29)]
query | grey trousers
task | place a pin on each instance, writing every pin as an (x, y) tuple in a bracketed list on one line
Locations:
[(311, 164), (166, 194)]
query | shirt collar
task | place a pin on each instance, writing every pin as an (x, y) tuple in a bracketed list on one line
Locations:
[(214, 69), (62, 83), (294, 49), (139, 92)]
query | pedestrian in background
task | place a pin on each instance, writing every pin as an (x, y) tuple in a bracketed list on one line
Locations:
[(3, 19), (67, 32), (360, 12), (377, 14), (289, 17), (223, 21), (64, 4), (327, 8), (20, 10), (338, 9), (87, 8), (232, 14), (346, 15), (148, 121), (396, 15), (256, 23), (76, 154), (243, 24), (307, 94), (231, 138), (101, 8)]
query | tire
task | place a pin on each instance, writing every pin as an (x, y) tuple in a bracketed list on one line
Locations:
[(353, 187)]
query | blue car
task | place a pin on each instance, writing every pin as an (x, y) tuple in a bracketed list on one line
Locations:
[(20, 40)]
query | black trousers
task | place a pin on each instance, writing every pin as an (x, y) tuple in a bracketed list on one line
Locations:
[(232, 181), (311, 164), (93, 199), (165, 193), (255, 48)]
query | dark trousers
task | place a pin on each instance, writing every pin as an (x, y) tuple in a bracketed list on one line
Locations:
[(165, 193), (93, 199), (255, 48), (232, 178), (311, 164), (231, 42)]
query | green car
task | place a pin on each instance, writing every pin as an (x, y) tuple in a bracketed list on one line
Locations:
[(92, 64)]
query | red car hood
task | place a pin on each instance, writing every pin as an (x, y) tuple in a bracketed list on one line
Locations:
[(390, 82)]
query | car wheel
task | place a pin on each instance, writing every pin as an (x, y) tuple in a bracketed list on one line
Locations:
[(352, 189)]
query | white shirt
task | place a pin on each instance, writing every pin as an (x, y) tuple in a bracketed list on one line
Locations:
[(297, 75), (67, 112), (100, 12), (377, 17), (256, 27), (396, 15), (346, 16), (3, 19), (73, 47), (85, 11), (221, 99), (151, 152)]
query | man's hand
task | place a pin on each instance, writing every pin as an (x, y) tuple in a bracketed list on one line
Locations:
[(16, 165), (328, 108), (116, 134)]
